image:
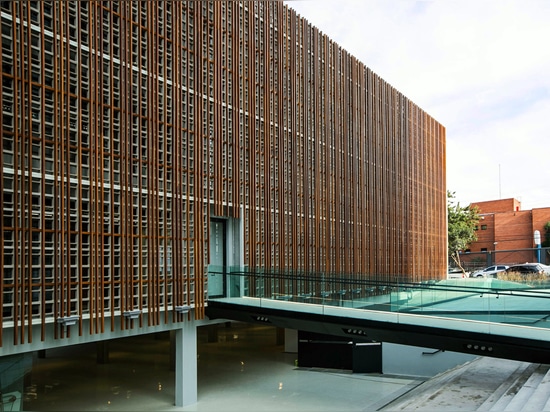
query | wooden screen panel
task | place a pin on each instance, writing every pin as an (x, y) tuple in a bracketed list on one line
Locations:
[(383, 195), (149, 116), (113, 226)]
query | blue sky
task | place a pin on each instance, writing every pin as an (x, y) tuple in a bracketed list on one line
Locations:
[(479, 67)]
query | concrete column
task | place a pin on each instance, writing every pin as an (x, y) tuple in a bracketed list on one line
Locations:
[(173, 350), (212, 333), (102, 352), (186, 364), (291, 341), (280, 336)]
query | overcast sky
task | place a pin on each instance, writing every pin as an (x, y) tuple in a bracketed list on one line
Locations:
[(479, 67)]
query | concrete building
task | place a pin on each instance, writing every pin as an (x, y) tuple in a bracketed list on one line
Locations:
[(505, 233), (146, 142)]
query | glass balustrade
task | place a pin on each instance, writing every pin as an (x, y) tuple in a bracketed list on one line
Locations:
[(523, 301)]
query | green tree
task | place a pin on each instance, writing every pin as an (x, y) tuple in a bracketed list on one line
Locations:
[(546, 242), (462, 222)]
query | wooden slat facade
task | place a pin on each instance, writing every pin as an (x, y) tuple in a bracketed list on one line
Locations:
[(128, 125)]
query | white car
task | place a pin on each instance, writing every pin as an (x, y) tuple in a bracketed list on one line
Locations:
[(489, 272), (456, 273)]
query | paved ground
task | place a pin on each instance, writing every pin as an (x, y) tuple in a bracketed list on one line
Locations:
[(244, 371), (247, 371)]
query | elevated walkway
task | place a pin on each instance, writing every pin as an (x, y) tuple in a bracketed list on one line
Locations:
[(485, 317)]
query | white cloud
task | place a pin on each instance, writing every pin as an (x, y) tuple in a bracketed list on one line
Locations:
[(480, 67)]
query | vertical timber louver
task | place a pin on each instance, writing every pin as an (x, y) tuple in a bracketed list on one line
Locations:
[(126, 125)]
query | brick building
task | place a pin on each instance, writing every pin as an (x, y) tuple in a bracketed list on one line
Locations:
[(506, 233)]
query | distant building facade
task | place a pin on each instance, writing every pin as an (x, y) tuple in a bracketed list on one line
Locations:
[(144, 141), (505, 233)]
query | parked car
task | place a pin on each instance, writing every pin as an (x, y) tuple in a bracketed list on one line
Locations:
[(529, 269), (456, 273), (489, 272)]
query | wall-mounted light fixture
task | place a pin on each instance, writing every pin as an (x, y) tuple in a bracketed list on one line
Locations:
[(358, 332), (478, 347), (182, 309), (68, 320), (132, 314)]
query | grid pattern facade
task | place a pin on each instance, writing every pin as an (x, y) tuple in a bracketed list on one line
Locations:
[(127, 125)]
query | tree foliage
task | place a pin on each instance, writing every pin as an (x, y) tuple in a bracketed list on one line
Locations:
[(546, 242), (462, 222)]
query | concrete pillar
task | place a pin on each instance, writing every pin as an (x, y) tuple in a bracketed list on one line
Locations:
[(280, 336), (102, 352), (172, 350), (186, 364), (212, 333), (291, 341)]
